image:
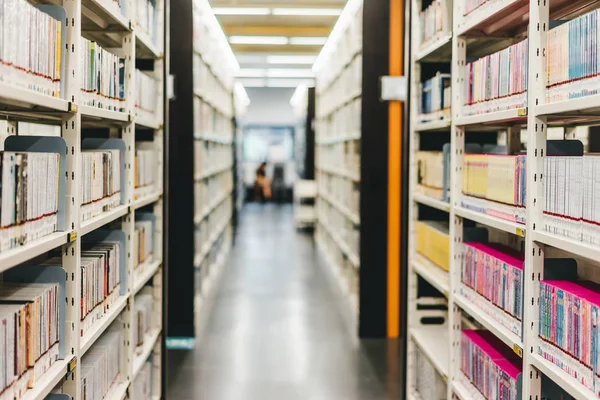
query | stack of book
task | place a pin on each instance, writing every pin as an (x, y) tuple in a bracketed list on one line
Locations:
[(495, 272), (30, 52), (432, 20), (100, 366), (143, 307), (146, 17), (145, 168), (569, 313), (436, 97), (29, 197), (100, 182), (103, 77), (143, 242), (499, 178), (145, 96), (572, 58), (142, 384), (430, 385), (431, 174), (498, 81), (100, 278), (572, 196), (433, 242), (491, 366), (29, 334)]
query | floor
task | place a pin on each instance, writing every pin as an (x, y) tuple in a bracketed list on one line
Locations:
[(277, 329)]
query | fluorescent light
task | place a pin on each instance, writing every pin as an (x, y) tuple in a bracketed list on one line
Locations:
[(308, 41), (317, 12), (252, 82), (291, 59), (289, 73), (241, 11), (251, 73), (266, 40), (291, 83)]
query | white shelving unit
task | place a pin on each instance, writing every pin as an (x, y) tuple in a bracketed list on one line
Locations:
[(90, 19), (338, 71), (493, 18)]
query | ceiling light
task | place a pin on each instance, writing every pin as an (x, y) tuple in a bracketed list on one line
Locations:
[(291, 59), (241, 11), (289, 83), (289, 73), (266, 40), (317, 12), (252, 82), (308, 41)]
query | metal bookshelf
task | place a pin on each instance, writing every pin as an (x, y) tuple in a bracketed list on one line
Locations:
[(338, 73), (493, 18), (102, 21)]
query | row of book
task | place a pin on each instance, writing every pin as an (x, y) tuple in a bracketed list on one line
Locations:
[(432, 177), (145, 170), (29, 197), (101, 365), (103, 77), (496, 177), (432, 20), (497, 81), (568, 313), (143, 308), (147, 18), (436, 95), (30, 52), (100, 182), (572, 196), (143, 242), (146, 91), (29, 334), (142, 384), (573, 52), (209, 156), (491, 366), (433, 242), (429, 383), (495, 272)]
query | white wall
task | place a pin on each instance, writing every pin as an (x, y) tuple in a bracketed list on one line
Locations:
[(270, 106)]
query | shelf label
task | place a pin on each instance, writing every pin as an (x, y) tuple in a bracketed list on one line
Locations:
[(518, 351), (522, 112), (72, 236), (520, 232), (72, 107), (72, 365)]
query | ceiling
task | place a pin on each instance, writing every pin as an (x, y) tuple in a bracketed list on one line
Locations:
[(278, 43)]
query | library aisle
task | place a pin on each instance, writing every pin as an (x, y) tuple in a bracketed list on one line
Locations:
[(276, 328)]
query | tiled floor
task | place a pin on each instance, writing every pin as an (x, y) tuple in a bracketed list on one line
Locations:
[(276, 329)]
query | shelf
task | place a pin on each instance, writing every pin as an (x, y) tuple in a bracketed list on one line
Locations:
[(16, 99), (141, 355), (431, 202), (212, 171), (347, 100), (587, 250), (340, 280), (148, 270), (493, 17), (48, 381), (439, 49), (498, 223), (433, 342), (576, 111), (437, 277), (212, 103), (354, 259), (206, 248), (564, 380), (355, 219), (147, 123), (465, 390), (92, 224), (101, 115), (92, 334), (340, 172), (207, 211), (434, 126), (146, 200), (516, 115), (339, 139), (211, 137), (103, 13), (491, 324), (118, 391), (144, 46), (19, 255)]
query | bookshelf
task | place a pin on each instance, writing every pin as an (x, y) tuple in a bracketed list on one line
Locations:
[(97, 127), (531, 233), (337, 126)]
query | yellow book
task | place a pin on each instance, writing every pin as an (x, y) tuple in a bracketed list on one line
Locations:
[(433, 242)]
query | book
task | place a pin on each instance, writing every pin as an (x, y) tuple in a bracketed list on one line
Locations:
[(431, 174), (145, 170), (147, 18), (100, 182), (429, 383), (143, 308), (29, 197), (142, 384), (432, 21), (146, 94), (433, 242), (436, 97), (101, 365), (143, 242), (30, 52)]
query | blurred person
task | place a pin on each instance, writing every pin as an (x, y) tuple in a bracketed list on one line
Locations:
[(262, 185)]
